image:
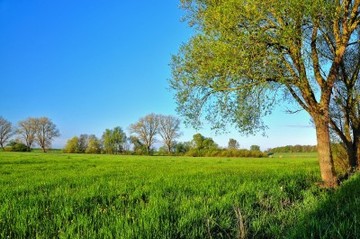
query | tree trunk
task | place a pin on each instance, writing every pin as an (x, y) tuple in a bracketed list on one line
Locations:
[(358, 154), (327, 169), (352, 153)]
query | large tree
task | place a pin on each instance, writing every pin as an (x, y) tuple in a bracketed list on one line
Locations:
[(27, 131), (244, 52), (145, 130), (6, 131), (46, 131), (169, 130)]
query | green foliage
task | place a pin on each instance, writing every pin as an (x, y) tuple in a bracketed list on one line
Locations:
[(182, 147), (72, 145), (201, 144), (93, 146), (255, 148), (114, 140), (340, 157), (105, 196), (294, 149), (233, 144), (139, 147), (15, 146)]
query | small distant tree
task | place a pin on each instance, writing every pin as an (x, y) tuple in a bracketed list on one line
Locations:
[(46, 131), (27, 131), (145, 130), (93, 145), (16, 146), (119, 139), (233, 144), (83, 142), (202, 145), (6, 131), (72, 145), (169, 130), (114, 140), (138, 146), (255, 148), (182, 148), (107, 142)]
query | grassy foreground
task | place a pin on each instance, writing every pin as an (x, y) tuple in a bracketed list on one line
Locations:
[(102, 196)]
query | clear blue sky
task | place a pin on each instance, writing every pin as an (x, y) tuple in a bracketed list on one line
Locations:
[(91, 65)]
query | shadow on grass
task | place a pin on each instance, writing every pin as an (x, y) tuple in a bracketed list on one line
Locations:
[(336, 216)]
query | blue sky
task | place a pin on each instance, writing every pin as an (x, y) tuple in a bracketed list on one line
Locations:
[(91, 65)]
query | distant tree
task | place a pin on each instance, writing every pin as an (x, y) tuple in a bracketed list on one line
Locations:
[(114, 140), (255, 148), (16, 146), (83, 142), (93, 145), (138, 146), (27, 131), (201, 142), (107, 142), (119, 139), (72, 145), (46, 131), (169, 130), (201, 146), (145, 130), (182, 148), (233, 144), (6, 131)]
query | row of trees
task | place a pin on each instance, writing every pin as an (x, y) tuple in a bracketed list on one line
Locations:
[(113, 141), (31, 131), (294, 149), (144, 135), (142, 138)]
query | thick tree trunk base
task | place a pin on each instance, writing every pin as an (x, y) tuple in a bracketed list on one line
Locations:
[(326, 163)]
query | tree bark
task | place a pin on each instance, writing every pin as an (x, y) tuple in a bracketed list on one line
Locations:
[(327, 169), (352, 153)]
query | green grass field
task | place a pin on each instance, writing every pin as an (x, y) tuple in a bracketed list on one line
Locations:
[(104, 196)]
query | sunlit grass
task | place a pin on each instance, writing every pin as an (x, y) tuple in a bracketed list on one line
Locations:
[(106, 196)]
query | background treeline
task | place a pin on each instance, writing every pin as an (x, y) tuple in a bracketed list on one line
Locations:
[(151, 130), (27, 134), (294, 149)]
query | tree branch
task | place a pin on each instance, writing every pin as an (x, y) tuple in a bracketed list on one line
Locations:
[(297, 98), (314, 55)]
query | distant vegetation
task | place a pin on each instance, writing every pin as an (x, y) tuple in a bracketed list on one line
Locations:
[(294, 149), (29, 132)]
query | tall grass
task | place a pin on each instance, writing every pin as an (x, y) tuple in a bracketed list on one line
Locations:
[(105, 196)]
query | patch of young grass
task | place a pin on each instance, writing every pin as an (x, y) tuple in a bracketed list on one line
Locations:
[(107, 196)]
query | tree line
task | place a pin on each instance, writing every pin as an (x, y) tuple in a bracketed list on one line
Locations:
[(152, 129), (28, 133), (294, 149)]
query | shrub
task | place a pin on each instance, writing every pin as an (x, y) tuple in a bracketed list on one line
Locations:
[(15, 146)]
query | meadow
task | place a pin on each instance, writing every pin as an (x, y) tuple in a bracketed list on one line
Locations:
[(59, 195)]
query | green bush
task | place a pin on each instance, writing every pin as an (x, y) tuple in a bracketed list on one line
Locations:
[(15, 146)]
